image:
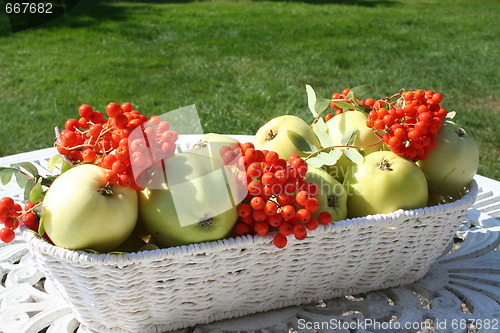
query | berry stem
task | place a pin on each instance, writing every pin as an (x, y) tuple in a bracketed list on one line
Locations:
[(340, 146)]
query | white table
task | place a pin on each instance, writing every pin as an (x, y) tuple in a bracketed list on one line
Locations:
[(460, 293)]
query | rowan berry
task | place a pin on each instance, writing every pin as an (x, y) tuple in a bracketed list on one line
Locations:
[(257, 203), (113, 110), (268, 179), (285, 228), (300, 231), (31, 221), (241, 229), (275, 220), (261, 228), (7, 235), (7, 202), (88, 155), (312, 205), (244, 210), (71, 124), (312, 224), (280, 176), (85, 111), (111, 177), (280, 241), (270, 208), (302, 197), (255, 188), (303, 215), (324, 218), (259, 215), (125, 180), (288, 212)]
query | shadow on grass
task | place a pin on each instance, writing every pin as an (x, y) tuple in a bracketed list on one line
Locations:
[(85, 13)]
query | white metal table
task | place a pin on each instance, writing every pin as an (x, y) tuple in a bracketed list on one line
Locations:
[(460, 293)]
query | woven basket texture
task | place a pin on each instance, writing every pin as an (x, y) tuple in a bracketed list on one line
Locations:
[(167, 289)]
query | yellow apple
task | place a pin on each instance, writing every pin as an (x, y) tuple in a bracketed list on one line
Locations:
[(452, 164), (384, 183), (197, 201), (332, 195), (274, 136), (81, 212)]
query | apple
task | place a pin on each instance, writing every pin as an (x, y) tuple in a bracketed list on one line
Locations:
[(452, 164), (81, 212), (332, 195), (273, 135), (196, 202), (338, 126), (384, 183)]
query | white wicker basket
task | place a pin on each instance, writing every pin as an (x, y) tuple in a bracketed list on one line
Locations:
[(167, 289)]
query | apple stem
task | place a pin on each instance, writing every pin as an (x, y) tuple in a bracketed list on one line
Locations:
[(106, 190), (206, 223), (384, 165), (332, 201), (271, 135)]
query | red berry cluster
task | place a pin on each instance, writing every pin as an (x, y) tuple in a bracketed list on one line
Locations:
[(278, 198), (11, 213), (410, 124), (109, 144)]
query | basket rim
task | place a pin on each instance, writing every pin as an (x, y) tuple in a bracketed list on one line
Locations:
[(40, 245)]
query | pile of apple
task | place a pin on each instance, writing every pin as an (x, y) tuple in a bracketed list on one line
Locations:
[(124, 187)]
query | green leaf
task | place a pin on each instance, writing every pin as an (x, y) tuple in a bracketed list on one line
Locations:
[(6, 174), (354, 155), (29, 167), (315, 162), (336, 153), (37, 193), (65, 167), (22, 180), (301, 143), (361, 91), (321, 105), (327, 158), (30, 184), (41, 225), (47, 181), (320, 129), (343, 104), (311, 99), (349, 136), (363, 108), (54, 160)]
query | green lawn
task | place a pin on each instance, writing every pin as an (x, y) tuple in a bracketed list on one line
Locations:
[(244, 62)]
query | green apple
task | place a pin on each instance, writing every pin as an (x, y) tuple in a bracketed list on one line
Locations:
[(332, 195), (341, 124), (273, 135), (452, 164), (384, 183), (81, 212), (196, 203)]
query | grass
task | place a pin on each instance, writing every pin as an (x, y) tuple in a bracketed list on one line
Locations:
[(244, 62)]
